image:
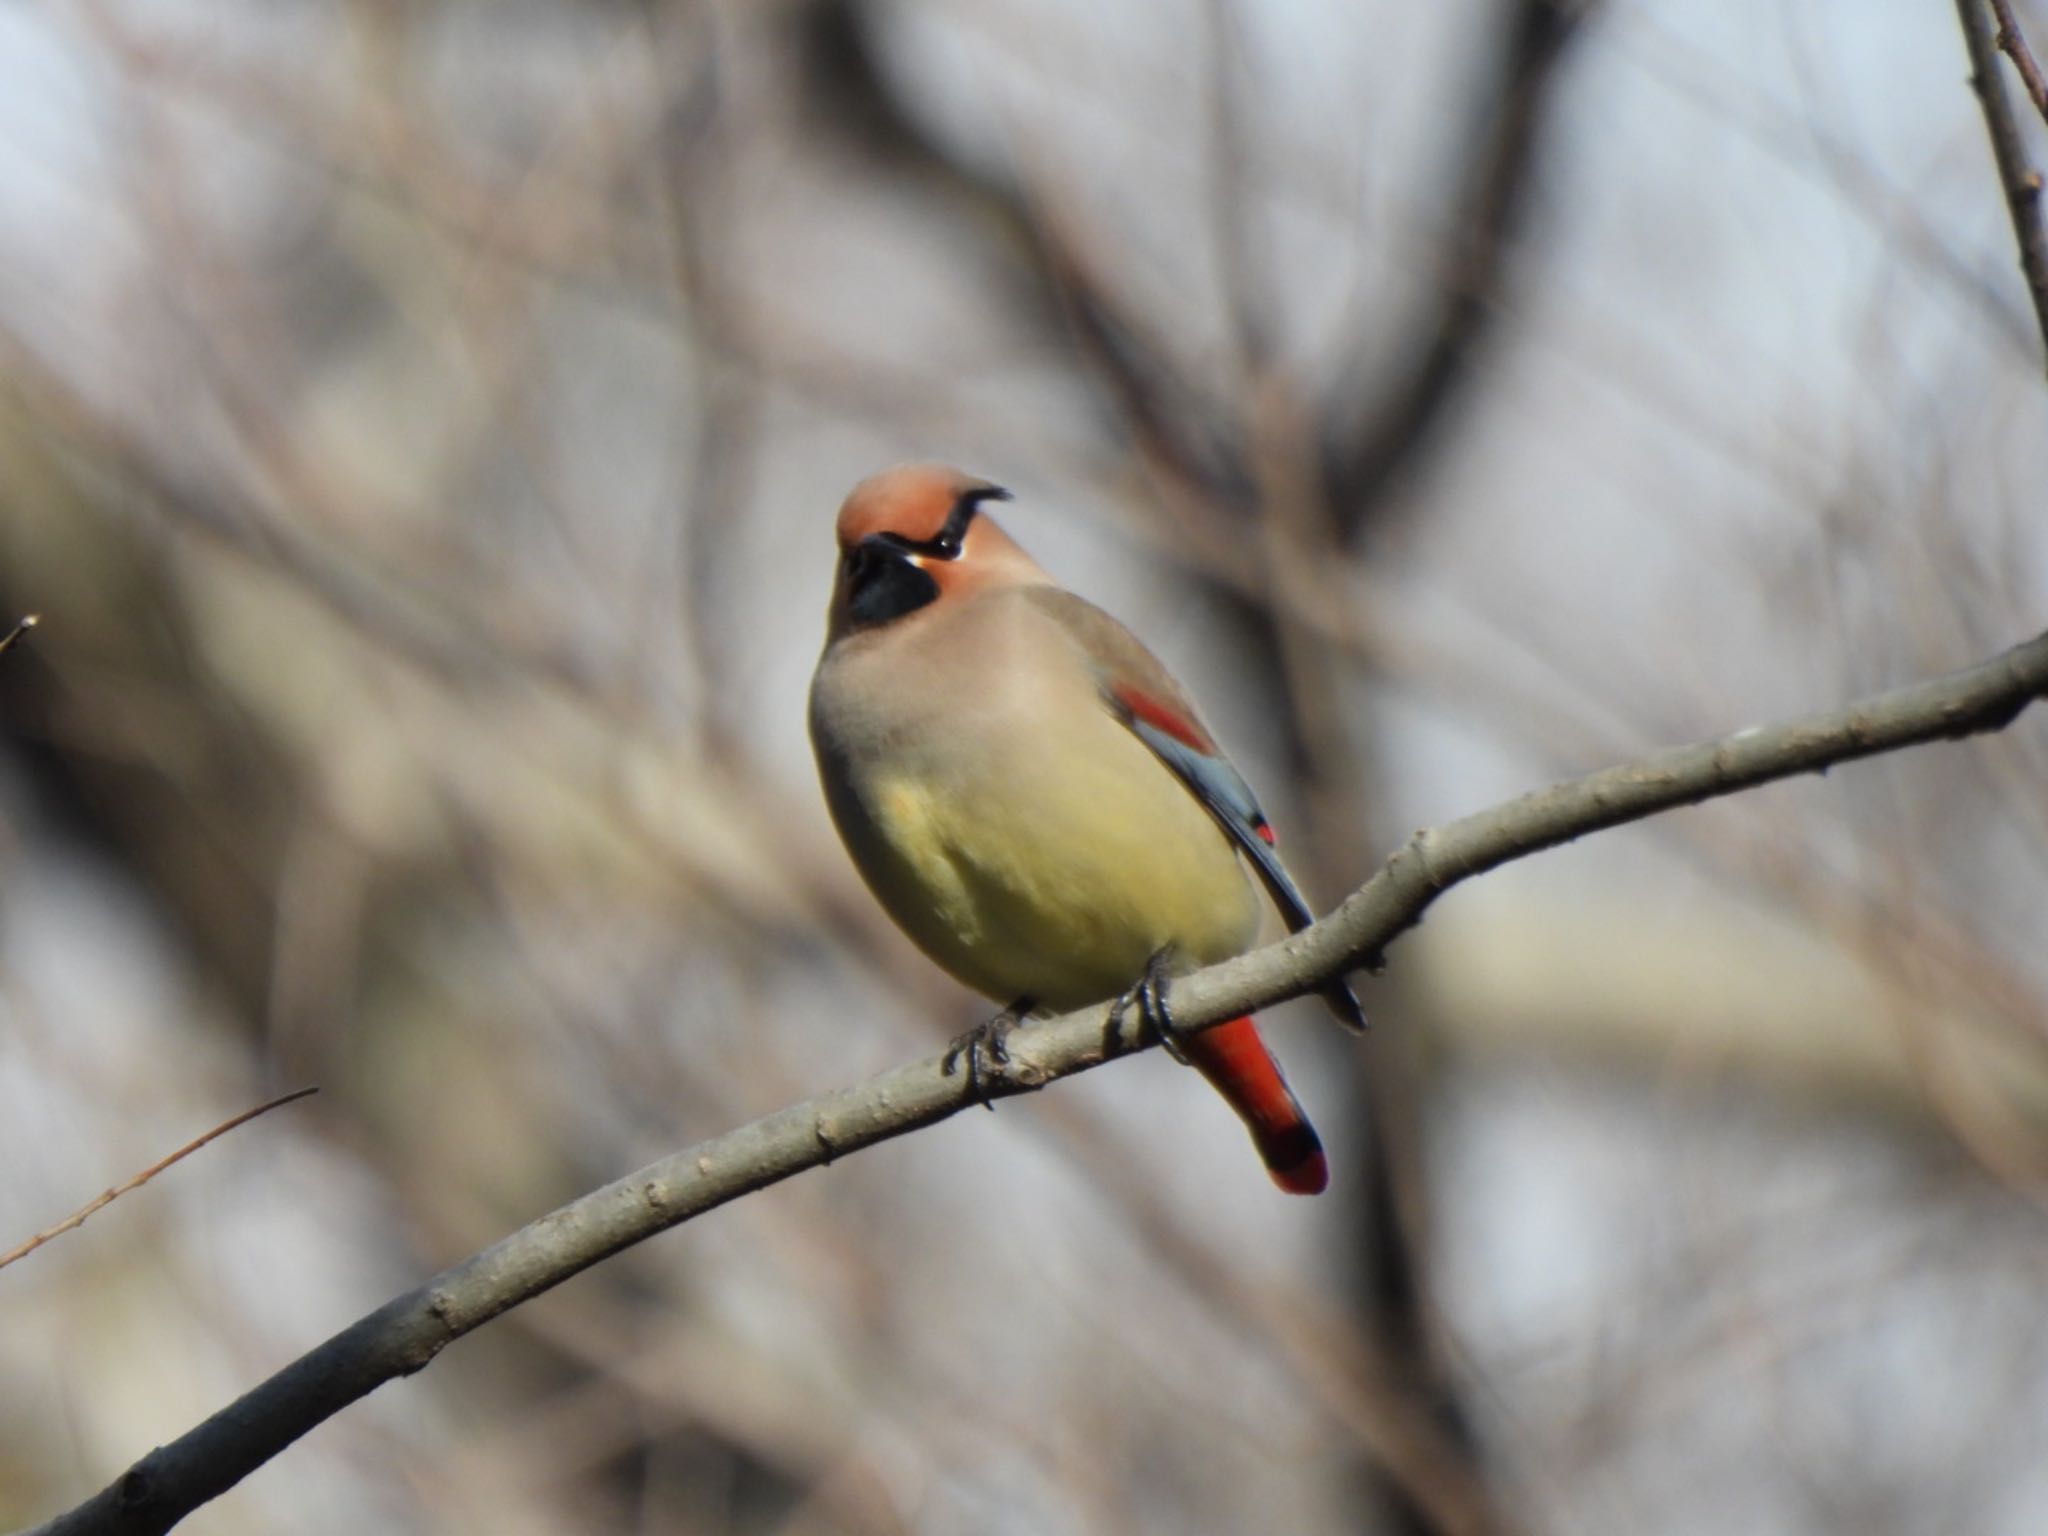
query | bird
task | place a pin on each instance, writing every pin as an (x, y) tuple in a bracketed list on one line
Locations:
[(1033, 799)]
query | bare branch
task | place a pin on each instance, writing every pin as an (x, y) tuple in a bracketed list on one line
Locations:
[(1368, 447), (2022, 183), (14, 637), (404, 1335), (1176, 423), (108, 1197), (2014, 45)]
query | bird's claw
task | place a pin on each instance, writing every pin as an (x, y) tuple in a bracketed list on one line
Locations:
[(1148, 995), (986, 1050)]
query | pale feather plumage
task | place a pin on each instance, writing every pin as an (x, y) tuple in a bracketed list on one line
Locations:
[(1024, 787), (1012, 826)]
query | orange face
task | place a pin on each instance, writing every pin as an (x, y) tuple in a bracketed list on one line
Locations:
[(912, 535)]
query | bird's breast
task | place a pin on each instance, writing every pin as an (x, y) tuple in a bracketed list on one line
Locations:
[(1020, 834)]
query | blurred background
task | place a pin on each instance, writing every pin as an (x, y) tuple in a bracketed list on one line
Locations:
[(420, 427)]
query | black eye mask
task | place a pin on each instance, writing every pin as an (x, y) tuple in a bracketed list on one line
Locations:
[(946, 543)]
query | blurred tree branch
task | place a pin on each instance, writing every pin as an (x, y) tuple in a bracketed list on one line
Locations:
[(406, 1334), (1366, 450), (2013, 44), (1370, 431), (2021, 182)]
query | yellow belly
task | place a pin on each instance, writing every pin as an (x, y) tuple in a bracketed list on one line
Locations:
[(1055, 878)]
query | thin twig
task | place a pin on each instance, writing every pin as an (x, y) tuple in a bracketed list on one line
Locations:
[(27, 622), (2014, 45), (2022, 183), (108, 1197), (405, 1334)]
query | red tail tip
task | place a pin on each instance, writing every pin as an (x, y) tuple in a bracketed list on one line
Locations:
[(1306, 1175), (1238, 1065)]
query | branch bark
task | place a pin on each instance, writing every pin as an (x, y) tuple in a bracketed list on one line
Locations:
[(2013, 44), (404, 1335), (2021, 182)]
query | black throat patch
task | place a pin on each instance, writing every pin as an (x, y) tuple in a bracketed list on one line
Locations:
[(884, 583)]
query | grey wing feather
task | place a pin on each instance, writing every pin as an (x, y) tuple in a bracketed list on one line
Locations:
[(1223, 791)]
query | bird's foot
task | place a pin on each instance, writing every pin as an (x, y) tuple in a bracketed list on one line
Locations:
[(1148, 995), (986, 1051)]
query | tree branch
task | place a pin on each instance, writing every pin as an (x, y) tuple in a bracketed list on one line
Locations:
[(19, 633), (404, 1335), (2022, 183), (107, 1197), (1370, 444), (2013, 44)]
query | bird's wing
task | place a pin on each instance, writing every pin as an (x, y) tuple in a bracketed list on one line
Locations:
[(1139, 691)]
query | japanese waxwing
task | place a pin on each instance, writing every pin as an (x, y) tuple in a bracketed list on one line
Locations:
[(1030, 795)]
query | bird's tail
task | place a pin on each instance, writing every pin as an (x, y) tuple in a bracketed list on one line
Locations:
[(1237, 1064)]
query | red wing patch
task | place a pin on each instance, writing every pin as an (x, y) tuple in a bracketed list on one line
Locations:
[(1155, 714)]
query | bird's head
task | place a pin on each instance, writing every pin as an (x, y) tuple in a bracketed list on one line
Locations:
[(913, 536)]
